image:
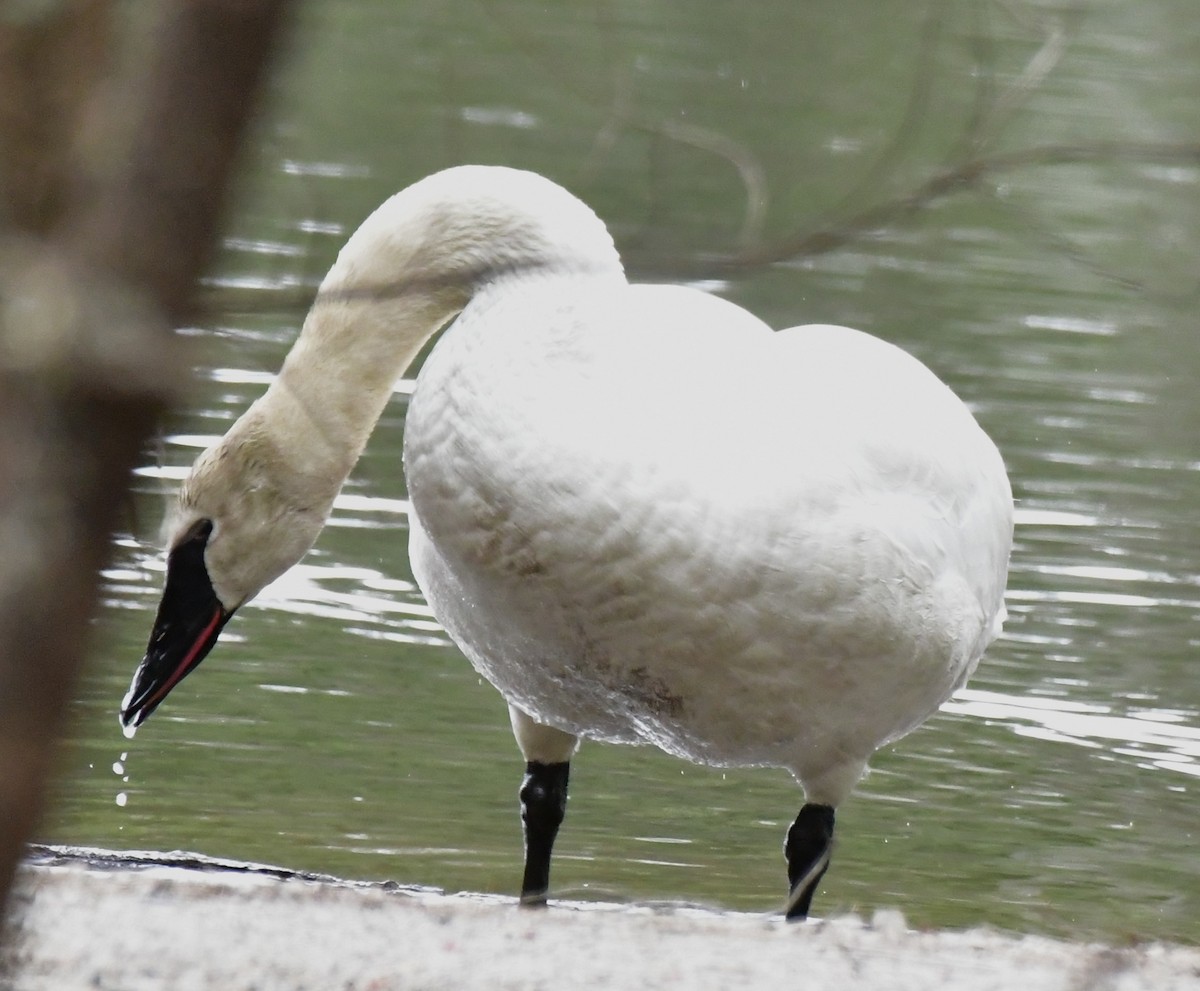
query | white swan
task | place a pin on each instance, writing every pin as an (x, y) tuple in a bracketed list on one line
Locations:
[(644, 516)]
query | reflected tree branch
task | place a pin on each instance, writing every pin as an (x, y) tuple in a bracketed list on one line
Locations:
[(968, 168), (738, 155), (963, 177), (996, 113), (909, 126)]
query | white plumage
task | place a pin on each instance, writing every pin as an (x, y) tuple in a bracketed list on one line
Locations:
[(644, 516)]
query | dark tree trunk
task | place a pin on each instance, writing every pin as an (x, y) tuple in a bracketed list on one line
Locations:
[(109, 211)]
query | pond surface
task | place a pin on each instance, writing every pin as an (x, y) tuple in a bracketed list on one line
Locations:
[(336, 728)]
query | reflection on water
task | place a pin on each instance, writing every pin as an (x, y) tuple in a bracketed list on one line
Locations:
[(1157, 738), (335, 729)]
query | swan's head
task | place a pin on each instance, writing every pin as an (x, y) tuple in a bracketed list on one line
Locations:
[(240, 521), (255, 502)]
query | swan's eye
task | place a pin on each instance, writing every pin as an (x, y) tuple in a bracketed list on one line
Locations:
[(198, 532)]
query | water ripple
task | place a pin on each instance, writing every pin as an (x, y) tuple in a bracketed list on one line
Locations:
[(1158, 738)]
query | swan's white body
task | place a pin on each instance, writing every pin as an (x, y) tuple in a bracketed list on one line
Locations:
[(643, 515)]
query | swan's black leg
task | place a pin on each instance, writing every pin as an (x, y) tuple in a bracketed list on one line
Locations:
[(809, 844), (543, 804)]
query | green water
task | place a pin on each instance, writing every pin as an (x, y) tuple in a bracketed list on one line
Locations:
[(335, 728)]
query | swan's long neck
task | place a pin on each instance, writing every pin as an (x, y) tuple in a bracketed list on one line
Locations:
[(411, 267), (335, 382)]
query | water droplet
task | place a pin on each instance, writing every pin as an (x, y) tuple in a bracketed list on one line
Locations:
[(122, 798), (128, 731), (118, 767)]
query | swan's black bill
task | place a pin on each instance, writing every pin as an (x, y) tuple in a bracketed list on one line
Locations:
[(190, 618)]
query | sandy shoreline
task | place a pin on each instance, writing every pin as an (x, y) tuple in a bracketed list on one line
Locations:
[(91, 919)]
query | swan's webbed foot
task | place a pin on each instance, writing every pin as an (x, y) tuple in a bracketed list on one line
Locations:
[(808, 848), (543, 804)]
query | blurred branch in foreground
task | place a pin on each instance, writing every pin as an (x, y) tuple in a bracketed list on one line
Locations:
[(98, 263)]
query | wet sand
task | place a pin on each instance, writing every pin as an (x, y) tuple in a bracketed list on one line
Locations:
[(133, 922)]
